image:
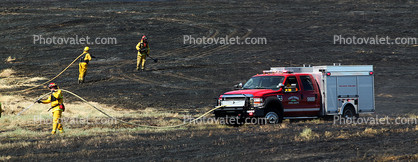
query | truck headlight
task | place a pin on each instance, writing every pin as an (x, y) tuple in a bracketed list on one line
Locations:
[(258, 102)]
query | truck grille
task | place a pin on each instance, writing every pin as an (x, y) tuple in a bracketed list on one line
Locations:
[(237, 101)]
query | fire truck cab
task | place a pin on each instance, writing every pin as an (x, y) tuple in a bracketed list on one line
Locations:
[(301, 92)]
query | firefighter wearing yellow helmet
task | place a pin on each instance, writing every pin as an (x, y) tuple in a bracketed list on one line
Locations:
[(84, 61), (143, 51), (57, 107)]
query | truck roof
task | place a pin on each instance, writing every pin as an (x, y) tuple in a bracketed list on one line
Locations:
[(280, 73), (335, 70)]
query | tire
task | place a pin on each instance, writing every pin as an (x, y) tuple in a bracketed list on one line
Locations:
[(349, 112), (272, 117)]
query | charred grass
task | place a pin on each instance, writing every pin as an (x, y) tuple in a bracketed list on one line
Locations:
[(210, 142), (25, 137), (186, 77)]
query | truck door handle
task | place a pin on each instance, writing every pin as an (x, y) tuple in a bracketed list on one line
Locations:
[(316, 96), (301, 96)]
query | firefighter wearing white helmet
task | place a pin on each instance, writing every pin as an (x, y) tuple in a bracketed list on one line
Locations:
[(57, 107), (84, 61), (143, 51)]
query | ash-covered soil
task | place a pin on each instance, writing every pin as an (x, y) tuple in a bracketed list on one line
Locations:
[(188, 76)]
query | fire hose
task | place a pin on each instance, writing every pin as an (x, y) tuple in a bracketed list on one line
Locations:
[(148, 126), (139, 125), (155, 60), (52, 78), (33, 103)]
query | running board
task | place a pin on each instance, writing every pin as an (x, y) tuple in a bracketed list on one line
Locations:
[(303, 117)]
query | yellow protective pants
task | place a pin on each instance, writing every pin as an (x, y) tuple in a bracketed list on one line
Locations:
[(83, 70), (56, 121), (141, 61)]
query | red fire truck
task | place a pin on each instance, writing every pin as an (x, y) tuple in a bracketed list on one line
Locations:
[(301, 92)]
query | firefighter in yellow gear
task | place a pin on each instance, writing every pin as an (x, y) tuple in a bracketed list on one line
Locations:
[(143, 51), (84, 61), (57, 106)]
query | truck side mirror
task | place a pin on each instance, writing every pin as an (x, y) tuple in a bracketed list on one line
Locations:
[(238, 86), (280, 85)]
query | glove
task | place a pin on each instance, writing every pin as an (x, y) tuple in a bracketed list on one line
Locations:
[(39, 101)]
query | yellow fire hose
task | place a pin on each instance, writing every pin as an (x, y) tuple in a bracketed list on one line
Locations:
[(147, 126), (50, 79), (33, 103)]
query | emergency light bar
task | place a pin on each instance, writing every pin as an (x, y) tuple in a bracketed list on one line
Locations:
[(277, 72)]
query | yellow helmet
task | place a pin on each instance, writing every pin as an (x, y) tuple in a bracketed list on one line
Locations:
[(86, 48)]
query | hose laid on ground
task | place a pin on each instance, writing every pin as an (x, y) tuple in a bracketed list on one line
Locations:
[(52, 78), (101, 110), (147, 126)]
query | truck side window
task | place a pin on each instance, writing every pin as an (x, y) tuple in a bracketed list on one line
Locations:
[(290, 81), (306, 83)]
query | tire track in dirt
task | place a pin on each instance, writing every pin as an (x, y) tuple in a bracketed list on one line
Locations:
[(182, 76), (171, 52), (183, 49), (142, 80), (209, 52)]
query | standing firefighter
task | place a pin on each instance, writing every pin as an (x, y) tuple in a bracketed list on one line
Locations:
[(57, 107), (84, 61), (143, 51)]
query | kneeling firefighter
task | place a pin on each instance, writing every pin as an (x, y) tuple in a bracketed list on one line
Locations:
[(143, 52), (57, 106), (84, 61)]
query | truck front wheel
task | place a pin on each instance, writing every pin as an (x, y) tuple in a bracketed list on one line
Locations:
[(272, 117)]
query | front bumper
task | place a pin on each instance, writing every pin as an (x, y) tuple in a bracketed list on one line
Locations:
[(242, 112)]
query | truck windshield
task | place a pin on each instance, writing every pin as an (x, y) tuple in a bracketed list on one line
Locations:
[(263, 82)]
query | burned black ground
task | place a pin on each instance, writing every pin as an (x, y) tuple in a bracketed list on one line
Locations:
[(188, 76)]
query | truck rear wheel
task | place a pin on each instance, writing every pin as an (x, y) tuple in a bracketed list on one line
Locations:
[(272, 117), (349, 112)]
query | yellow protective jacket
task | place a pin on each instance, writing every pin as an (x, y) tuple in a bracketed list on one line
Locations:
[(140, 46), (55, 99), (85, 58)]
